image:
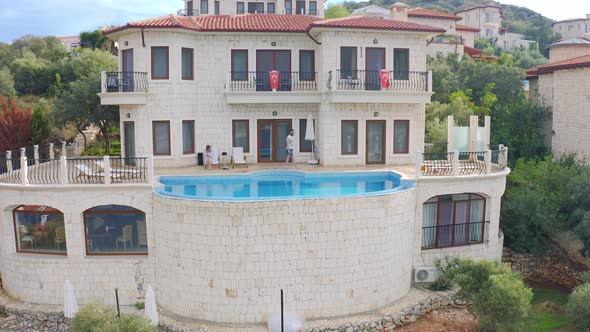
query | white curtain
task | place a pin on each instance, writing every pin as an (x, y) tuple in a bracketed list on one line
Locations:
[(476, 216), (428, 222)]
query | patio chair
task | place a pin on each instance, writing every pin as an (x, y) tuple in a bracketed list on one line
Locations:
[(90, 173), (126, 171), (238, 157), (60, 237), (25, 236), (126, 237)]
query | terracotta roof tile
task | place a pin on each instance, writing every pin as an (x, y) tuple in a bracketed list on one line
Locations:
[(577, 62), (271, 23), (460, 27), (421, 12), (364, 22)]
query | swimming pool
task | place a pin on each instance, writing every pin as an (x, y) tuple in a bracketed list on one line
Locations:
[(281, 185)]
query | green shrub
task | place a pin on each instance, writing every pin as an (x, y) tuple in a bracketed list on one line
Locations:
[(99, 318), (445, 274), (503, 300), (140, 305), (472, 276), (586, 277), (578, 306)]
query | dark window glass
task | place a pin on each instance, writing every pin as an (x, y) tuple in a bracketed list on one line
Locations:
[(313, 8), (240, 134), (189, 8), (348, 62), (255, 7), (349, 141), (306, 65), (188, 136), (239, 65), (115, 229), (204, 6), (161, 138), (288, 7), (216, 8), (300, 7), (160, 63), (187, 63), (401, 63), (270, 8), (239, 8), (401, 134), (39, 229)]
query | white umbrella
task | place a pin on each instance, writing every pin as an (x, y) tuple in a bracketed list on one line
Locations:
[(310, 136), (70, 303), (151, 311), (292, 323)]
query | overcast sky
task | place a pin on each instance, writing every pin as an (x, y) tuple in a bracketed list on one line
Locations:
[(69, 17)]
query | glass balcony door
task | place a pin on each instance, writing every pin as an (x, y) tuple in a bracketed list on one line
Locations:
[(375, 149), (126, 83), (272, 136), (268, 60), (375, 62)]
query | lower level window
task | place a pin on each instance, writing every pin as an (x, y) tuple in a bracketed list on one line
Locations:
[(39, 229), (453, 220), (115, 230), (161, 138)]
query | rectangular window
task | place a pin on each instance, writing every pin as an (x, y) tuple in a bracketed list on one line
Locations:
[(255, 8), (39, 229), (204, 6), (401, 63), (239, 65), (270, 8), (239, 8), (304, 145), (187, 63), (349, 137), (241, 134), (161, 138), (216, 8), (307, 65), (188, 136), (401, 136), (189, 8), (160, 63), (288, 7), (300, 7), (348, 62), (115, 230), (313, 8)]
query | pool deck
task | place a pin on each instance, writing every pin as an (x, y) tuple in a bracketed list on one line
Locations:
[(406, 171)]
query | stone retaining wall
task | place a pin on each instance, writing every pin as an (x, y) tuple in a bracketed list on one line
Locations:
[(19, 316)]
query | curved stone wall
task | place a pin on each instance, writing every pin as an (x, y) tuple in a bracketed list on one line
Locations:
[(227, 261)]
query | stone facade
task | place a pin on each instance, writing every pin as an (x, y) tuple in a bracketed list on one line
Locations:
[(486, 18), (563, 52), (229, 7), (331, 256), (573, 28)]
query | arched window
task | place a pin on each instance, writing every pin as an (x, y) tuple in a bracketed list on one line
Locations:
[(454, 220), (115, 230), (39, 229)]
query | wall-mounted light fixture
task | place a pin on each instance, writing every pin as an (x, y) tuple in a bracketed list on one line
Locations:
[(275, 113), (128, 115), (376, 114), (273, 44), (126, 43), (375, 41)]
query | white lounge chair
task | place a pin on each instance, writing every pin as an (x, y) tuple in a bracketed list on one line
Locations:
[(238, 157), (130, 171), (214, 157), (90, 173)]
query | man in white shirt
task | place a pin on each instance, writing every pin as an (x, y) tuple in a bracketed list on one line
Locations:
[(291, 147)]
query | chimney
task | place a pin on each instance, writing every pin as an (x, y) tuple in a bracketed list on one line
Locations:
[(399, 11)]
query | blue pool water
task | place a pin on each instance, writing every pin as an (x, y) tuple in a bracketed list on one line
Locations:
[(280, 185)]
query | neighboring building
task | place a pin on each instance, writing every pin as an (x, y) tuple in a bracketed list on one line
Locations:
[(234, 7), (563, 84), (488, 19), (467, 34), (578, 27), (569, 48), (70, 42), (371, 11), (222, 251)]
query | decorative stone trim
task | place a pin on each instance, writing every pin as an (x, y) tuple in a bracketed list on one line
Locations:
[(30, 317)]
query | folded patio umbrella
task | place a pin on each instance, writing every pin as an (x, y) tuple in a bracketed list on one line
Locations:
[(310, 136), (151, 310), (70, 303)]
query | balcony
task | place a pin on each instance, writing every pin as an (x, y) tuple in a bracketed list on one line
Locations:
[(367, 86), (123, 88), (447, 39), (443, 163), (255, 88), (455, 235)]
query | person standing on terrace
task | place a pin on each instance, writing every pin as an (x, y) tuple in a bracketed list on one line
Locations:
[(290, 147)]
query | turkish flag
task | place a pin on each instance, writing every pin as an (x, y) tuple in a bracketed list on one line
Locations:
[(384, 76), (274, 80)]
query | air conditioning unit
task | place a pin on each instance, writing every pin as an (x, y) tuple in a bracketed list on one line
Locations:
[(424, 274)]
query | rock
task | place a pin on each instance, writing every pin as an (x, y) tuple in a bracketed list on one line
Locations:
[(459, 301), (349, 329)]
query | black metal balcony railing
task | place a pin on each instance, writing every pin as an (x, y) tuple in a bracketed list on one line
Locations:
[(260, 81), (445, 236), (187, 12), (126, 82), (472, 163), (370, 80), (437, 164)]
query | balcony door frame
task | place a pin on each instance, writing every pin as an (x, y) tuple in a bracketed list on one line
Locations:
[(274, 145), (372, 78)]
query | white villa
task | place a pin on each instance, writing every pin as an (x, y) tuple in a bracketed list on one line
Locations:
[(577, 27), (238, 80)]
